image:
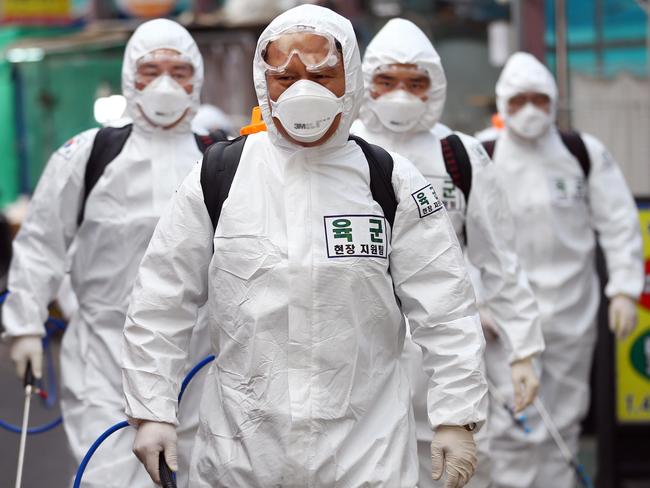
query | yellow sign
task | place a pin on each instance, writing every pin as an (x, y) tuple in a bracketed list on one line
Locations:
[(633, 354), (35, 11)]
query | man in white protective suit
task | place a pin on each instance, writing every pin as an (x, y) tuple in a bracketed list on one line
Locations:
[(292, 258), (404, 98), (102, 193), (562, 189)]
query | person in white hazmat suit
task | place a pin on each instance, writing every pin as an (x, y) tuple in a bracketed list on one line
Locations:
[(162, 76), (558, 207), (403, 101), (307, 389)]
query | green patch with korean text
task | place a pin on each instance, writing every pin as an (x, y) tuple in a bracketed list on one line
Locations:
[(427, 201), (356, 236)]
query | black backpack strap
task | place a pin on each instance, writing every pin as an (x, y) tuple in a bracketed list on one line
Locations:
[(218, 169), (489, 147), (457, 163), (576, 146), (205, 141), (380, 164), (108, 143)]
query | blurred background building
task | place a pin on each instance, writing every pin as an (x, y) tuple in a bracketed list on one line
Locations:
[(60, 74), (60, 61)]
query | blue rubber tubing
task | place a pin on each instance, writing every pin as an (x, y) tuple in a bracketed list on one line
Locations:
[(32, 430), (192, 373), (120, 425), (93, 448)]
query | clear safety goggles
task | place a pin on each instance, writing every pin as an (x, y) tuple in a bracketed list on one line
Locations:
[(409, 77), (177, 66), (316, 50)]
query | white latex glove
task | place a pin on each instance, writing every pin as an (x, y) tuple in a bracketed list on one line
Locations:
[(453, 451), (151, 439), (490, 328), (524, 382), (27, 348), (623, 315)]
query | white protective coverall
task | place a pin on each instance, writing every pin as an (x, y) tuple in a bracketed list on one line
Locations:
[(557, 212), (307, 390), (120, 215), (485, 219)]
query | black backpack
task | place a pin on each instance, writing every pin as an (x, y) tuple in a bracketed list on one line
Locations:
[(108, 144), (573, 142), (221, 160)]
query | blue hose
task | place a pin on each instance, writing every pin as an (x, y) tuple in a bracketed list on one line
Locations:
[(93, 448), (192, 373), (124, 423), (32, 430)]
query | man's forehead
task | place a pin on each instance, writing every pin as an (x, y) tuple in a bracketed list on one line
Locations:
[(401, 69), (530, 93), (165, 57), (163, 54)]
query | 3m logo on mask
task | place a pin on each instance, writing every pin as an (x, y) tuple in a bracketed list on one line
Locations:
[(317, 124), (356, 236), (427, 201)]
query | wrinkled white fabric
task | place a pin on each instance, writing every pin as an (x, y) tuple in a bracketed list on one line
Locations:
[(557, 212), (400, 41), (307, 389), (120, 215), (210, 119), (485, 219)]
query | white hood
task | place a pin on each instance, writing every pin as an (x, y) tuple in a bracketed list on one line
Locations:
[(401, 41), (152, 35), (328, 21), (524, 73)]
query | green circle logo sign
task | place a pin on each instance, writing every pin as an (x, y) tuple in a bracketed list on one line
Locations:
[(640, 355)]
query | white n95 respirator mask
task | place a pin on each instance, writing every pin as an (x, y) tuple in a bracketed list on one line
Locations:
[(398, 110), (164, 101), (529, 122), (306, 110)]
